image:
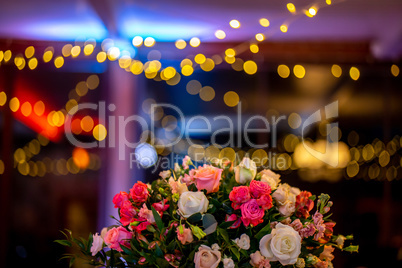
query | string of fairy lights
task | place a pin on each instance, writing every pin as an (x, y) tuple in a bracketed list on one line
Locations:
[(81, 160), (153, 69)]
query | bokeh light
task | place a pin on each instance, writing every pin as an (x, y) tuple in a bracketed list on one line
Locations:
[(234, 24), (231, 98)]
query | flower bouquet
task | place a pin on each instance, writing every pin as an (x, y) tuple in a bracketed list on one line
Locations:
[(215, 216)]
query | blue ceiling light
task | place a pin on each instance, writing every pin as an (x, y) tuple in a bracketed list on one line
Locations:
[(160, 25), (55, 21)]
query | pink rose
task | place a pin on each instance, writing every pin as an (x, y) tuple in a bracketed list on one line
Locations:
[(259, 188), (116, 237), (233, 217), (239, 195), (127, 213), (139, 193), (251, 213), (265, 201), (208, 178), (184, 235), (119, 199), (207, 257)]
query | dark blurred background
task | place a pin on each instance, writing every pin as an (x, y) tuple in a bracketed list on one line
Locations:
[(56, 55)]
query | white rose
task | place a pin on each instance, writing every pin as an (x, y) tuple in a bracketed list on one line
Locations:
[(285, 193), (283, 244), (207, 257), (271, 178), (287, 209), (97, 244), (228, 263), (243, 242), (191, 203), (245, 171)]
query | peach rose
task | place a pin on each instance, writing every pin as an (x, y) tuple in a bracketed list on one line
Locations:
[(208, 178), (207, 257)]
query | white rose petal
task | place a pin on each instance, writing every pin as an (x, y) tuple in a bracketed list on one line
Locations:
[(243, 242), (270, 177), (228, 263), (97, 244), (191, 203), (215, 247)]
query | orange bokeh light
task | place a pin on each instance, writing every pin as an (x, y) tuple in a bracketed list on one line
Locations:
[(81, 157)]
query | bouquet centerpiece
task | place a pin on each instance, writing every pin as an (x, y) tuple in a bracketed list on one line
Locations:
[(215, 216)]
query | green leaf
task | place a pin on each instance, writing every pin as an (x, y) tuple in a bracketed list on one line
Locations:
[(194, 218), (352, 248), (172, 246), (235, 252), (227, 209), (215, 202), (264, 231), (63, 242), (158, 251), (126, 250), (224, 234), (158, 219), (192, 187), (161, 262), (318, 251), (226, 224), (313, 197), (71, 262)]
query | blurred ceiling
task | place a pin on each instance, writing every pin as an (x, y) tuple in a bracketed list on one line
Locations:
[(377, 22)]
